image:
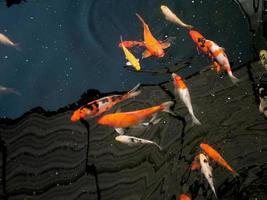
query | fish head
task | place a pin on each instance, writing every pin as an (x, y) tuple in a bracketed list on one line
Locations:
[(163, 8), (121, 138), (203, 146), (196, 36), (79, 114), (176, 79)]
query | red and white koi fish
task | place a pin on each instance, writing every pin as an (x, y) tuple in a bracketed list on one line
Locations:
[(183, 92), (207, 171), (122, 120), (154, 47), (133, 141), (99, 106), (218, 55)]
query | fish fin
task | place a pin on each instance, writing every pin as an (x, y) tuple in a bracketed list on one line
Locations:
[(141, 19), (217, 66), (134, 92), (195, 121), (160, 148), (128, 64), (165, 45), (146, 54), (17, 47), (119, 130), (261, 108), (118, 110), (195, 165), (234, 79), (154, 120), (166, 107)]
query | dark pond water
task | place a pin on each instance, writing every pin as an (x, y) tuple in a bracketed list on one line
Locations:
[(71, 46)]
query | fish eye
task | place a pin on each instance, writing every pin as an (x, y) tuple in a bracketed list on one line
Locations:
[(205, 160)]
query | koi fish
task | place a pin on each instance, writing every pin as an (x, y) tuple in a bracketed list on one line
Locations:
[(263, 58), (263, 101), (195, 165), (133, 61), (183, 92), (99, 106), (130, 44), (185, 197), (6, 41), (170, 16), (153, 46), (212, 153), (122, 120), (6, 90), (132, 141), (219, 56), (207, 171)]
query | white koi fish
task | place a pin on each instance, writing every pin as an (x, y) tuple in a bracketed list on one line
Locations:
[(207, 171), (131, 141), (183, 92)]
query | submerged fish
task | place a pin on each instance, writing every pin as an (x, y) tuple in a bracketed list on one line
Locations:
[(182, 91), (154, 47), (207, 171), (6, 90), (185, 197), (212, 153), (263, 58), (170, 16), (6, 41), (130, 44), (263, 101), (218, 55), (122, 120), (97, 107), (130, 140), (133, 61)]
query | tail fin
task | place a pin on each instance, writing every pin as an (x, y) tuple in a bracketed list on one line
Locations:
[(195, 121), (160, 148), (133, 92), (141, 19), (166, 107), (17, 47), (233, 79)]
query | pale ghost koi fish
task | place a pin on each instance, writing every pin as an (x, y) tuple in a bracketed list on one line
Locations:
[(170, 16), (7, 90), (133, 61), (6, 41), (207, 171), (182, 91), (263, 58), (99, 106), (263, 101), (154, 47), (122, 120), (133, 141), (219, 56)]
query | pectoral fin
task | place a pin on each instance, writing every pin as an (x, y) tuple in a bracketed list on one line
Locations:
[(165, 45), (146, 54), (119, 130)]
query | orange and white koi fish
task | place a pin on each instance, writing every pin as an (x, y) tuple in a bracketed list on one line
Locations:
[(130, 44), (99, 106), (213, 154), (170, 16), (154, 47), (218, 55), (133, 61), (195, 165), (185, 197), (122, 120), (183, 92), (207, 171), (133, 141), (6, 41)]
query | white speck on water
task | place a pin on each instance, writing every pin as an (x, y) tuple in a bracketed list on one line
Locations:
[(202, 112), (193, 16), (6, 57), (212, 94), (193, 1), (56, 173), (27, 60), (229, 98), (31, 18)]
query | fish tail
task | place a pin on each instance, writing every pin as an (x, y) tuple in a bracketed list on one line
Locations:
[(160, 148), (141, 19), (233, 79), (195, 120), (17, 47), (166, 107), (134, 92)]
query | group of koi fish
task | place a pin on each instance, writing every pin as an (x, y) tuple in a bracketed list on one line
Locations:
[(148, 116), (156, 47)]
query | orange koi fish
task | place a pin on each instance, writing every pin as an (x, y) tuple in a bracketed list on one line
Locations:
[(97, 107), (154, 47), (195, 165), (122, 120), (183, 92), (212, 153), (185, 197), (218, 55)]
